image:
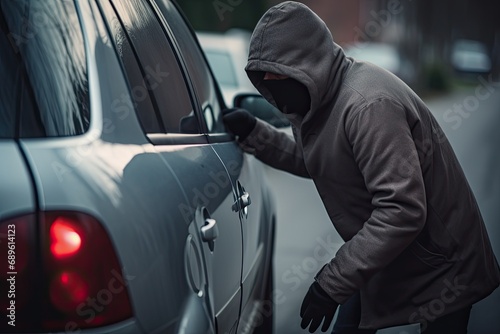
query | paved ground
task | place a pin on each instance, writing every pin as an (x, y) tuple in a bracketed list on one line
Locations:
[(306, 238)]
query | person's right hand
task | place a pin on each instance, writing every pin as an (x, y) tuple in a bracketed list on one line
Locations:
[(239, 121)]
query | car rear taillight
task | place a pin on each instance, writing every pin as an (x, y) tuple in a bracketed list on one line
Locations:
[(85, 285), (74, 282), (64, 238)]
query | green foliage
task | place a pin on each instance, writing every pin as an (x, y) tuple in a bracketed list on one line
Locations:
[(437, 77)]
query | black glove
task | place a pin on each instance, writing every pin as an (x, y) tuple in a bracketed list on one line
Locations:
[(316, 306), (239, 121)]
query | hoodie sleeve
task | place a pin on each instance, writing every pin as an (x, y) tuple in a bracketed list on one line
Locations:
[(383, 147), (275, 148)]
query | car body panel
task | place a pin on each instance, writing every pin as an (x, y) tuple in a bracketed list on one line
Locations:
[(129, 326), (256, 233), (16, 193), (207, 185)]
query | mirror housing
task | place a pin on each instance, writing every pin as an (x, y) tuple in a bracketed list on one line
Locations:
[(262, 109)]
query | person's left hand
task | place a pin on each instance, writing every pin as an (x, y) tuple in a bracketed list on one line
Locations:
[(239, 121), (316, 306)]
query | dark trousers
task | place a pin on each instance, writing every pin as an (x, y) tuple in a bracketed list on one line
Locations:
[(349, 315)]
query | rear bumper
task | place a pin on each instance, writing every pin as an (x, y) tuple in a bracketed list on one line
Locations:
[(129, 326)]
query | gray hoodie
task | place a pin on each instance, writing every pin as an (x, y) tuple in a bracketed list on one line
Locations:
[(388, 177)]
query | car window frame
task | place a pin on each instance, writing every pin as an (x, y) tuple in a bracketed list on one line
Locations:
[(213, 137), (162, 138)]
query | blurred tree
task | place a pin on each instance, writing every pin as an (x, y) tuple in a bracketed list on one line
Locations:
[(221, 15)]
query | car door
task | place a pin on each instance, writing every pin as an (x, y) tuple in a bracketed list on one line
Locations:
[(170, 117), (245, 171)]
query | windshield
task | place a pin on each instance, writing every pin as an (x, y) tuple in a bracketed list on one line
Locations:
[(44, 90)]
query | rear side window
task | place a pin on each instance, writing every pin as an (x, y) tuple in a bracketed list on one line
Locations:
[(44, 90), (157, 82), (197, 67)]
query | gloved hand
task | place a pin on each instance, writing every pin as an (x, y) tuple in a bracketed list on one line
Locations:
[(239, 121), (317, 305)]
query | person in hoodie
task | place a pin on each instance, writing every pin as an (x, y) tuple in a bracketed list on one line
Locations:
[(416, 249)]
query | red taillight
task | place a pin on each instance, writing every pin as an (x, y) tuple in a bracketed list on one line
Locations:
[(75, 278), (68, 290), (64, 239), (82, 272)]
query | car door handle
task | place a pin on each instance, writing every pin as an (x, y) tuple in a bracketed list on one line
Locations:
[(208, 227), (210, 232), (242, 202)]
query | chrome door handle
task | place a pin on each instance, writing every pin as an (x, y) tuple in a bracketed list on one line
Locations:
[(245, 200), (208, 227), (210, 232), (242, 202)]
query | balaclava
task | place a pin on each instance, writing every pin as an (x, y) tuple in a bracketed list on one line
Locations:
[(291, 96)]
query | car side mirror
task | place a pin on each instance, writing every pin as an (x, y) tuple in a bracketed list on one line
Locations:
[(260, 108)]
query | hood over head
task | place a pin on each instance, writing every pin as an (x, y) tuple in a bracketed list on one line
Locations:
[(290, 39)]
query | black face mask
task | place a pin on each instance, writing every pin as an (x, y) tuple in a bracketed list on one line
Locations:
[(291, 96)]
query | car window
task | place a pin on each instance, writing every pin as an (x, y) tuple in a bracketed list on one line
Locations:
[(197, 67), (146, 112), (223, 67), (155, 75), (43, 64)]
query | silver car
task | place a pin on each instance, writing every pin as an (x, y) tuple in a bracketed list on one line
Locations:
[(125, 206)]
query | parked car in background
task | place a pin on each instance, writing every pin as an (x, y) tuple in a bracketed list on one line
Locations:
[(383, 55), (227, 54), (125, 206), (469, 56)]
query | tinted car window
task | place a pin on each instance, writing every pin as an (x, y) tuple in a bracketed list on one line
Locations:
[(43, 69), (159, 67), (145, 106), (196, 64)]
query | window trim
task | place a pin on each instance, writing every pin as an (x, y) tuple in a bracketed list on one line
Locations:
[(182, 64), (212, 137), (176, 139), (159, 138), (179, 138), (221, 137), (152, 98)]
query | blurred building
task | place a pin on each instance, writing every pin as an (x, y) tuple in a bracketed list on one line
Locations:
[(342, 17), (425, 32)]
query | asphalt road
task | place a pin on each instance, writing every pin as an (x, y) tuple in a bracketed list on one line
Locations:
[(306, 240)]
